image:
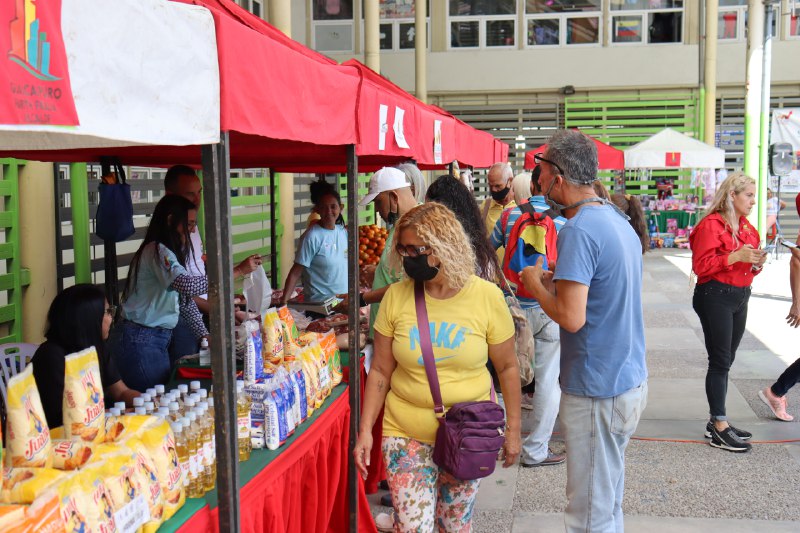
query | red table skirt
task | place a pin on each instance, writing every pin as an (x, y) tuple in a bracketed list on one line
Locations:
[(304, 489)]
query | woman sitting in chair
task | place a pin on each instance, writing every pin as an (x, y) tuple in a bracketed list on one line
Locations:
[(79, 318)]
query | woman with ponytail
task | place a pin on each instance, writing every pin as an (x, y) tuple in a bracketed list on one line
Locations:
[(631, 206)]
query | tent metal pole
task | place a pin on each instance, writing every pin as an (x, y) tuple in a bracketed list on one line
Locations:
[(354, 320), (219, 267), (273, 231)]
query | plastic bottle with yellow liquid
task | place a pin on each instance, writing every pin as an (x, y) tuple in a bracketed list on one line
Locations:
[(213, 444), (243, 404), (194, 469), (183, 451)]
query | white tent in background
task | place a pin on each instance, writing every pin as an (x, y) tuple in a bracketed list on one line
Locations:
[(672, 149)]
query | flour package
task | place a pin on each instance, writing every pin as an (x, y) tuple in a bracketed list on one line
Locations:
[(83, 405)]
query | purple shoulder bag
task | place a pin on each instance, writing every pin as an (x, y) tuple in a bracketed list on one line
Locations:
[(470, 434)]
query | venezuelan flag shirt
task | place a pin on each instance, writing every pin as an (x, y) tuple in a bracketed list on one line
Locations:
[(462, 328)]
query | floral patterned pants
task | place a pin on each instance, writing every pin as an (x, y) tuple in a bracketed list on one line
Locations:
[(424, 495)]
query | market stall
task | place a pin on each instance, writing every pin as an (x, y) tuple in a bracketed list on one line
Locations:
[(608, 157), (262, 122), (670, 217)]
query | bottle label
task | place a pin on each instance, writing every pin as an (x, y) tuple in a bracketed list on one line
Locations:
[(185, 469), (193, 465), (209, 454), (244, 426)]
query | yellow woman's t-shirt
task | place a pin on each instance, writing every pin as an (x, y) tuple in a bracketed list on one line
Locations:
[(462, 328)]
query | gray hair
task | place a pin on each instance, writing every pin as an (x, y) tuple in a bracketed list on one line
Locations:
[(505, 168), (415, 178), (575, 154)]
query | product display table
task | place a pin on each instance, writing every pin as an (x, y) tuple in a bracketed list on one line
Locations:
[(684, 218), (300, 487)]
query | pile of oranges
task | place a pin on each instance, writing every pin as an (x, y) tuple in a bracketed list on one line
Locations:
[(371, 240)]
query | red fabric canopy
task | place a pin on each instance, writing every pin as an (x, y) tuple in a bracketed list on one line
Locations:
[(608, 157)]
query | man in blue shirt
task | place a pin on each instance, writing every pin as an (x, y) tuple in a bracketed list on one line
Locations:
[(599, 308), (535, 447)]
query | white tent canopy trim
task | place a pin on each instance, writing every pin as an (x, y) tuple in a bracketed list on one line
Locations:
[(159, 83), (672, 149)]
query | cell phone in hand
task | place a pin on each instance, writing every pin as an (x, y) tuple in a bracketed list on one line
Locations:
[(789, 244)]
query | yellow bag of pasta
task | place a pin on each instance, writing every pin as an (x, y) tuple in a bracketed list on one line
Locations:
[(333, 356), (160, 444), (122, 427), (324, 372), (148, 474), (83, 405), (22, 485), (312, 378), (289, 326), (87, 503), (70, 454), (273, 338), (28, 436)]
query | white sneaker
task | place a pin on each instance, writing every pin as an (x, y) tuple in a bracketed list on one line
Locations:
[(384, 522)]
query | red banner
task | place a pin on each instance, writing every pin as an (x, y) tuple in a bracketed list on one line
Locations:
[(673, 159), (35, 79)]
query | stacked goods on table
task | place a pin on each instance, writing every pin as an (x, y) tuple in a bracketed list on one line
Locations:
[(371, 241), (287, 375), (104, 471)]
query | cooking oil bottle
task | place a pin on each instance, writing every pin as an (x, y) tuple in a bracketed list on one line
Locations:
[(205, 431), (243, 403), (194, 470), (183, 451), (212, 423)]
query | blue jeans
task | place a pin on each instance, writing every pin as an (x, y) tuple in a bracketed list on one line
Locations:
[(184, 342), (597, 431), (547, 368), (141, 354)]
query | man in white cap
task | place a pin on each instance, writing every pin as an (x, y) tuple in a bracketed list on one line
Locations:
[(392, 196)]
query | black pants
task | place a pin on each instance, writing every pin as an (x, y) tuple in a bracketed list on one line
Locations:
[(722, 310), (787, 380)]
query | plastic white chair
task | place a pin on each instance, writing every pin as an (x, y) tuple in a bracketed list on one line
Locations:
[(14, 357)]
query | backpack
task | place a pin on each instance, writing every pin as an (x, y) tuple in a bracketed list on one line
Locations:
[(533, 236)]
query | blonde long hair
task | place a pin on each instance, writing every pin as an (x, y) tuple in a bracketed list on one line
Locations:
[(438, 227), (723, 202)]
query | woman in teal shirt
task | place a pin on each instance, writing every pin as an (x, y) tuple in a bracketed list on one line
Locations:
[(156, 279), (321, 260)]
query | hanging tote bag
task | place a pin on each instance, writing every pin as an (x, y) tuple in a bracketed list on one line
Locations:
[(114, 218), (470, 434)]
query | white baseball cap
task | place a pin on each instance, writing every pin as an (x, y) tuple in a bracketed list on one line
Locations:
[(386, 179)]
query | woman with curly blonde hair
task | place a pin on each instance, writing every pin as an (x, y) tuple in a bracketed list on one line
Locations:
[(725, 258), (469, 322)]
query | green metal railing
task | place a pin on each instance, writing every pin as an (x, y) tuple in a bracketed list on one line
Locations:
[(14, 277), (366, 214)]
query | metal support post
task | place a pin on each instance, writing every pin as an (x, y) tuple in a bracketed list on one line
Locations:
[(219, 268), (353, 315)]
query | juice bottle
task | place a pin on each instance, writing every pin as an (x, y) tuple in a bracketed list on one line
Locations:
[(243, 403)]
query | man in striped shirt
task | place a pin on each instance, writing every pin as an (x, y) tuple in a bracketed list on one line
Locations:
[(535, 447)]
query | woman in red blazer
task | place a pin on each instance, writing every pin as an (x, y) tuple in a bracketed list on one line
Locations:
[(725, 258)]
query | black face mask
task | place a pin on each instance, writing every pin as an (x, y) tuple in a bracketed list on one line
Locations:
[(418, 268), (499, 196), (391, 218)]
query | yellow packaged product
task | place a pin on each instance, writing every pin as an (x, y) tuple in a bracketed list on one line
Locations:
[(28, 436), (87, 503), (307, 337), (22, 485), (152, 485), (160, 444), (333, 356), (83, 405), (273, 338), (122, 427), (70, 454), (321, 363), (312, 378)]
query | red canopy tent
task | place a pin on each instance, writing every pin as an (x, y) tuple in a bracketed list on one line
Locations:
[(608, 157)]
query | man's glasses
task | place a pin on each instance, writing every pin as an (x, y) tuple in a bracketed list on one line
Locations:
[(111, 310), (409, 250), (538, 159)]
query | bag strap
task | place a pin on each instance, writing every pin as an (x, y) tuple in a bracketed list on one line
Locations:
[(107, 163), (426, 346)]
